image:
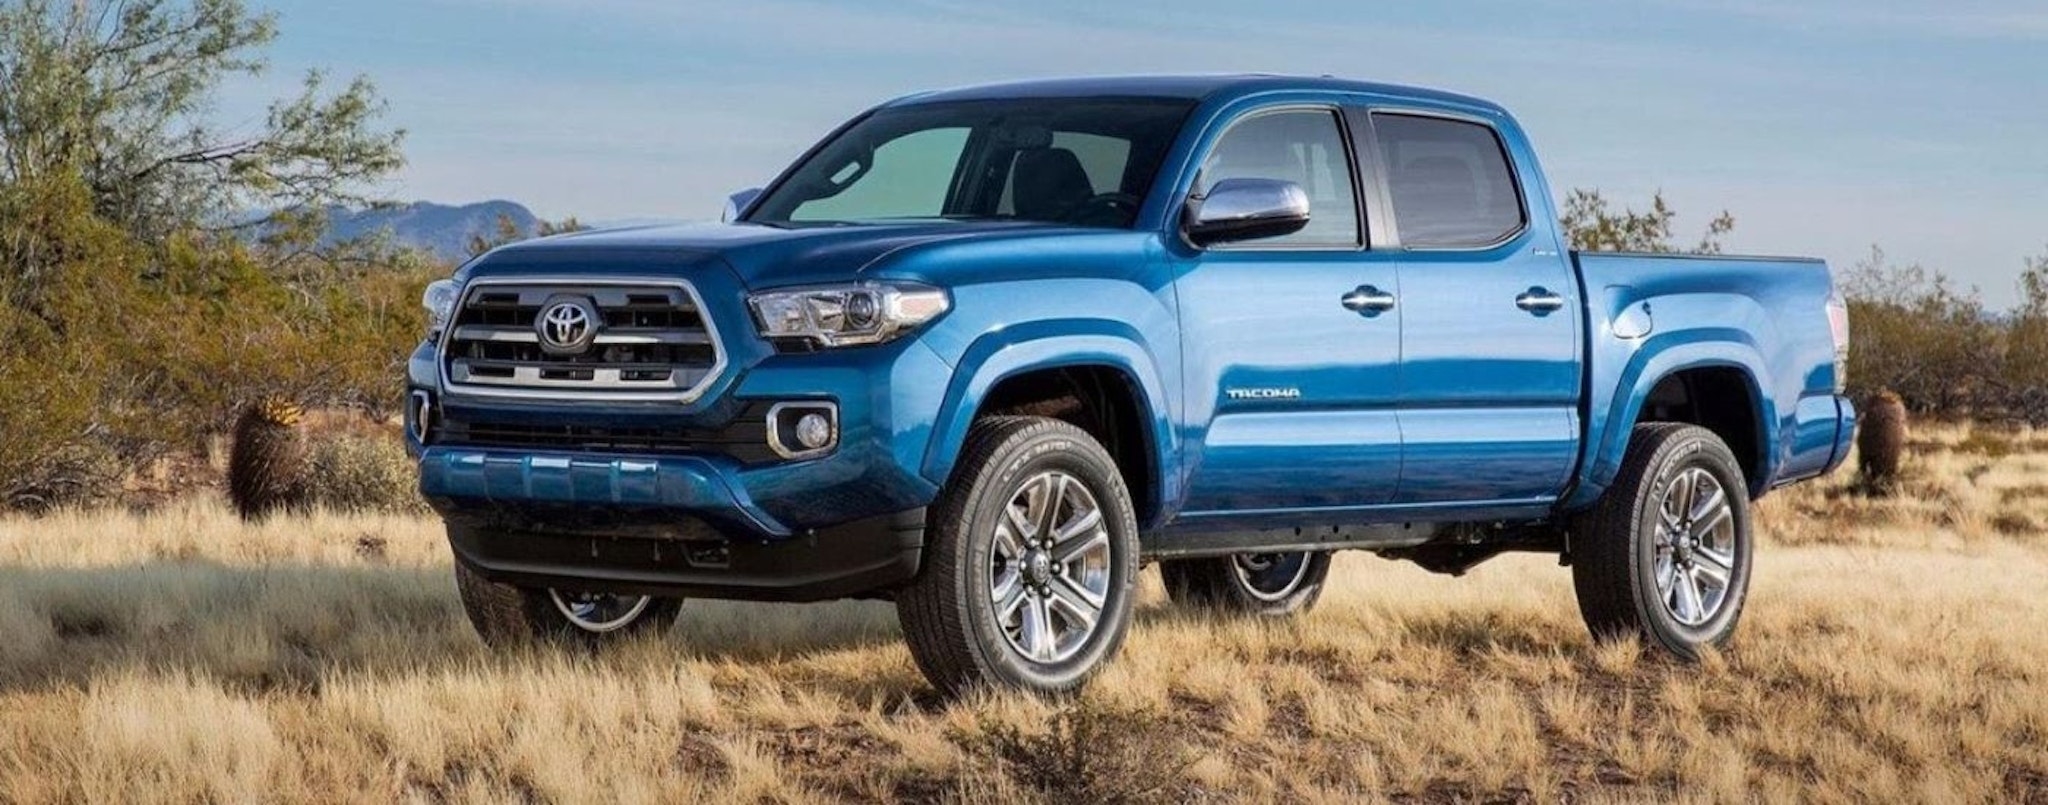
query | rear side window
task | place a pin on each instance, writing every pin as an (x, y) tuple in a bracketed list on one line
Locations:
[(1450, 180), (1301, 146)]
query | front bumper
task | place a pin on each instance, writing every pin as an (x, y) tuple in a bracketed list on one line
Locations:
[(698, 521), (682, 557)]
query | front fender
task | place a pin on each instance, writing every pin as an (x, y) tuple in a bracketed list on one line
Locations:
[(1053, 344), (1612, 421)]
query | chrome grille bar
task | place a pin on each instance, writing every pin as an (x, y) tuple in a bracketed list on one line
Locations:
[(654, 341)]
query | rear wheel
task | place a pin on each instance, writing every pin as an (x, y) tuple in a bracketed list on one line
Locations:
[(1270, 584), (506, 615), (1032, 554), (1667, 551)]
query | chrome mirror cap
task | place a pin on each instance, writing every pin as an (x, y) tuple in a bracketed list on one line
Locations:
[(1246, 209)]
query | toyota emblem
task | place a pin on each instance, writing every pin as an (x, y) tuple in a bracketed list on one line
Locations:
[(566, 326)]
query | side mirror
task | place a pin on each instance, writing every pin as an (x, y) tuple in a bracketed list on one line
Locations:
[(1246, 209), (737, 203)]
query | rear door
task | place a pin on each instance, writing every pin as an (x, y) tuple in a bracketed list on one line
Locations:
[(1489, 386)]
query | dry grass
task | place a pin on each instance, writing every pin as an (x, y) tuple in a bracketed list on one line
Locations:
[(1893, 651)]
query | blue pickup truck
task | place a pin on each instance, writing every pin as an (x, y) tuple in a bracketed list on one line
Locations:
[(987, 352)]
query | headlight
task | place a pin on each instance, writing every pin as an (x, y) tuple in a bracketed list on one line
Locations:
[(848, 315), (439, 300)]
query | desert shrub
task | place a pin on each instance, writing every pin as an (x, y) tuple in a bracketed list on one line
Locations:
[(1090, 751), (1940, 349), (78, 475), (362, 471), (137, 351)]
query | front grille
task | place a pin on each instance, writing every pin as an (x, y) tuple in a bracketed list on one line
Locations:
[(653, 341)]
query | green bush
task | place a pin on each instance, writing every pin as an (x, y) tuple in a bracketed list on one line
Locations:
[(363, 472), (136, 351), (1940, 349)]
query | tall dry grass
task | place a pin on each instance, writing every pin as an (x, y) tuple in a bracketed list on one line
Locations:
[(1892, 651)]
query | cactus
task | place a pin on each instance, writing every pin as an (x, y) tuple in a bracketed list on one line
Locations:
[(267, 466), (1881, 441)]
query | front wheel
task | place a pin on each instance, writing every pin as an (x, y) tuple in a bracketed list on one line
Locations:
[(1031, 561), (1269, 584), (1667, 552), (505, 615)]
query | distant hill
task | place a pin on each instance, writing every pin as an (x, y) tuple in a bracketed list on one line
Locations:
[(441, 229)]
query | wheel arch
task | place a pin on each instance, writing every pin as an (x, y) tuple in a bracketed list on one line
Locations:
[(1104, 363), (1730, 376)]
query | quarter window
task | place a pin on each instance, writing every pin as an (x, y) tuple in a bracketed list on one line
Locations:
[(1305, 147), (1450, 180)]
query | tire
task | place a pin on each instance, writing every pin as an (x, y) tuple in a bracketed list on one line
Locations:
[(1265, 584), (506, 616), (1674, 479), (969, 615)]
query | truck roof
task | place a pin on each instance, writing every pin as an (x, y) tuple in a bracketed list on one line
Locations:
[(1189, 87)]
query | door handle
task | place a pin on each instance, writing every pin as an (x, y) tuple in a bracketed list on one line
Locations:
[(1539, 301), (1369, 300)]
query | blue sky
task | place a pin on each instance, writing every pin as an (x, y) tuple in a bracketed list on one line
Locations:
[(1825, 126)]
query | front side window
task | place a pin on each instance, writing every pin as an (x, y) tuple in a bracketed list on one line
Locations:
[(1450, 180), (1305, 147), (1085, 162)]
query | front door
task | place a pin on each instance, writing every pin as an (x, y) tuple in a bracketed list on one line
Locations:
[(1490, 331), (1292, 342)]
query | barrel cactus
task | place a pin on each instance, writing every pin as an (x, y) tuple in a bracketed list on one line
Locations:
[(267, 466), (1881, 442)]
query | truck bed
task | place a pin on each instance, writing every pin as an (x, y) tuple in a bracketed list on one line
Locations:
[(1649, 312)]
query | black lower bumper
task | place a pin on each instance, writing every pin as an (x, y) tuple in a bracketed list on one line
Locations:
[(693, 558)]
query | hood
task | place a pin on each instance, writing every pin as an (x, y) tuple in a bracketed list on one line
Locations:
[(764, 256)]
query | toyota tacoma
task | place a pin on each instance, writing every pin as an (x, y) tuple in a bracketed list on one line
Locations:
[(988, 352)]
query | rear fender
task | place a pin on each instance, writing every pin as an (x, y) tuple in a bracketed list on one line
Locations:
[(1660, 357)]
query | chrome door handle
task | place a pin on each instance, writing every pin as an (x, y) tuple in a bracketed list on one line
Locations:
[(1369, 300), (1539, 301)]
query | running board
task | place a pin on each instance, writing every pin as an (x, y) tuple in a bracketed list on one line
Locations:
[(1185, 544)]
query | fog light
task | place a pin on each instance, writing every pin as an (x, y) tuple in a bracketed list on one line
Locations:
[(813, 431), (803, 429)]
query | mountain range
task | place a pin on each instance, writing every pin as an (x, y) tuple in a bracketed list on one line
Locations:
[(442, 230)]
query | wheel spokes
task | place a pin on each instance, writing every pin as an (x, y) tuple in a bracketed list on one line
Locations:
[(1004, 588), (1036, 631), (1079, 607), (1009, 597), (1678, 501), (1712, 506), (1082, 522), (1716, 567), (1022, 522), (1008, 546), (1066, 553), (1054, 495), (1686, 598)]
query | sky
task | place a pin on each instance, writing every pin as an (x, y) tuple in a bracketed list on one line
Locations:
[(1826, 127)]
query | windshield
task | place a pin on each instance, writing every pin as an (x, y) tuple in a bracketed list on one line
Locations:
[(1086, 162)]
